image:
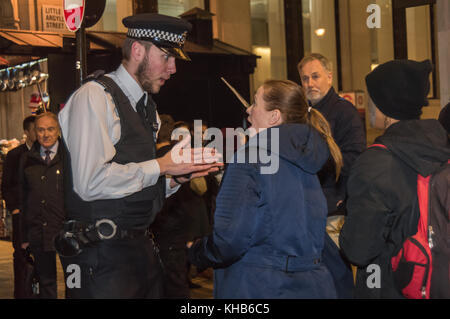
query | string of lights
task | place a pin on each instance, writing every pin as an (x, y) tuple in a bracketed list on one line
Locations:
[(20, 76)]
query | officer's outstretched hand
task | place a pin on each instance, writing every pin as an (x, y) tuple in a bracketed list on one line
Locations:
[(187, 163)]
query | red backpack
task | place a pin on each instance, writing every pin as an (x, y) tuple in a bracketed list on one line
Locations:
[(422, 266)]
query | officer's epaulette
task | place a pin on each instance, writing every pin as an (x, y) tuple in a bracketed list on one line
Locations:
[(94, 76)]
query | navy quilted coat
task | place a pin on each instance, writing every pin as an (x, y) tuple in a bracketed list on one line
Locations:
[(269, 228)]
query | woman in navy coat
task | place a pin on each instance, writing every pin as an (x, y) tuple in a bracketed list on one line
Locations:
[(270, 217)]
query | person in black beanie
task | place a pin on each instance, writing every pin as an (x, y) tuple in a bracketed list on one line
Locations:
[(382, 192), (444, 117)]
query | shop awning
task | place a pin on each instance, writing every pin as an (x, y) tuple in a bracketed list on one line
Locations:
[(107, 39), (28, 38), (38, 42), (28, 42)]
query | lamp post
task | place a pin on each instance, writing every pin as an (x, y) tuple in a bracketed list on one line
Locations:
[(81, 59)]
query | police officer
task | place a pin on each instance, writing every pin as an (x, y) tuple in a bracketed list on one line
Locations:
[(117, 185)]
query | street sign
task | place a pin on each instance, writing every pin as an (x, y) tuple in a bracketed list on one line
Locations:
[(93, 11), (53, 19), (73, 14)]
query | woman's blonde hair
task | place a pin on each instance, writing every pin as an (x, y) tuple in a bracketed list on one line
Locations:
[(289, 98)]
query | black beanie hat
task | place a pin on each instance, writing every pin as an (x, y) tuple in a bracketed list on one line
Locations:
[(444, 117), (399, 88)]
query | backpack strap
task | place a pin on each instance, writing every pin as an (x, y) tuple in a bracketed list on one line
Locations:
[(379, 145)]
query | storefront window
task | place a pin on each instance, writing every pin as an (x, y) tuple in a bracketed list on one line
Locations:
[(319, 30), (382, 39), (115, 11), (110, 16), (363, 48), (175, 8), (260, 28), (419, 34), (268, 40)]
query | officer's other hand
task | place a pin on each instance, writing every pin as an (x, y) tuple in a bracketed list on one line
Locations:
[(25, 245)]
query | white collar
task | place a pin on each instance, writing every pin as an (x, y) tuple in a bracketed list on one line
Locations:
[(133, 88), (28, 146), (53, 149)]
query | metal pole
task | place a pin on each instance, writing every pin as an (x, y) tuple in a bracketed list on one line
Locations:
[(81, 61), (36, 15)]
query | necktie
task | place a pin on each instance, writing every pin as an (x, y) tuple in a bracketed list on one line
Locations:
[(147, 113), (142, 111), (47, 156), (152, 114)]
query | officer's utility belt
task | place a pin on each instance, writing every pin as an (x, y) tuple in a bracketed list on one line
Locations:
[(76, 235)]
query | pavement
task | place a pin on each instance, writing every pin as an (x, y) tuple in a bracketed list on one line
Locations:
[(7, 278)]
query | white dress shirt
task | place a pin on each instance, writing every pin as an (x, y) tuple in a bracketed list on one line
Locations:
[(90, 125)]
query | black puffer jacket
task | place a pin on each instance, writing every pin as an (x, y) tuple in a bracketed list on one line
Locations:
[(42, 198), (381, 195)]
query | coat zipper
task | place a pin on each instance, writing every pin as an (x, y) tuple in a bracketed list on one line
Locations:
[(430, 236), (430, 227)]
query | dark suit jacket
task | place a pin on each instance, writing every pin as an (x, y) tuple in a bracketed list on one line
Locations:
[(42, 197), (10, 179), (349, 134)]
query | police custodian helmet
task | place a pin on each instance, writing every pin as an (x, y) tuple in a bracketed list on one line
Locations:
[(167, 33)]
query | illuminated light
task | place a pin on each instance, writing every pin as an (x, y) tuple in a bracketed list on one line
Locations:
[(42, 77), (320, 32), (373, 66), (262, 51)]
